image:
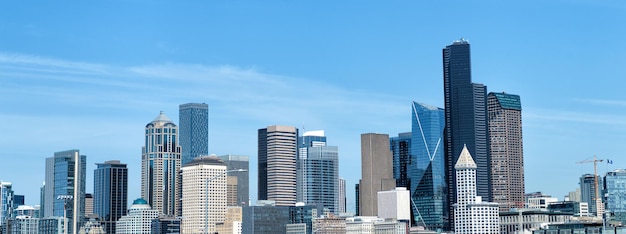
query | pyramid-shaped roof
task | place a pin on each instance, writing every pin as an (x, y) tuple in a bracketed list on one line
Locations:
[(465, 160)]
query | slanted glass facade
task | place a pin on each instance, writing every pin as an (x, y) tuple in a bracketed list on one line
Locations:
[(426, 169)]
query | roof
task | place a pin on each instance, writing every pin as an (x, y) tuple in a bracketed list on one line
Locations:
[(465, 160), (206, 160), (508, 101), (140, 201), (162, 118)]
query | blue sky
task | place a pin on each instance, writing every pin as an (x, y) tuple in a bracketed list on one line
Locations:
[(90, 75)]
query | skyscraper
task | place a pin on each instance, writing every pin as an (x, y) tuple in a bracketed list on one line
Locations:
[(204, 194), (318, 171), (6, 203), (401, 150), (465, 119), (505, 146), (194, 130), (588, 193), (376, 172), (235, 162), (160, 164), (426, 168), (471, 214), (342, 195), (110, 193), (65, 175), (277, 152)]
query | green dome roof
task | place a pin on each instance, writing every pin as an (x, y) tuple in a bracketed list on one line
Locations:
[(140, 201)]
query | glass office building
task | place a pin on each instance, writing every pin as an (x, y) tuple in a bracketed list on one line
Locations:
[(426, 170), (194, 130), (318, 171), (466, 122), (110, 193), (615, 195), (67, 169), (401, 150)]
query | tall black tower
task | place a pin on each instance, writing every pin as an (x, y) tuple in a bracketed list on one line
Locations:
[(466, 121)]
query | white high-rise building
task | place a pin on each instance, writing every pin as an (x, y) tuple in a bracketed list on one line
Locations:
[(204, 194), (471, 214), (342, 195), (138, 219)]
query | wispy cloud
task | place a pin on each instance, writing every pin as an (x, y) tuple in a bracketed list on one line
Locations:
[(604, 102)]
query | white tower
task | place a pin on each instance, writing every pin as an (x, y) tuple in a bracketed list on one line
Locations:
[(471, 214)]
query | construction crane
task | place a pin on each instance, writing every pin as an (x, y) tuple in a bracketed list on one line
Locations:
[(595, 161)]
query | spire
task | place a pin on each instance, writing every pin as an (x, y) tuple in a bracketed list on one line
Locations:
[(465, 160), (162, 118)]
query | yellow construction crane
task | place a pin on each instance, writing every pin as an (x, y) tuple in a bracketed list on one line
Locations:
[(595, 161)]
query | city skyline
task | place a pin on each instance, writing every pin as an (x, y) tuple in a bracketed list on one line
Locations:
[(99, 95)]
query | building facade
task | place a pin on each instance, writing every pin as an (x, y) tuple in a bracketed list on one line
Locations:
[(506, 149), (401, 151), (317, 171), (615, 196), (204, 194), (426, 168), (588, 193), (233, 221), (277, 152), (166, 225), (342, 195), (139, 218), (239, 162), (265, 219), (24, 225), (395, 204), (52, 225), (471, 214), (466, 121), (194, 130), (376, 172), (110, 193), (6, 203), (160, 163), (65, 178)]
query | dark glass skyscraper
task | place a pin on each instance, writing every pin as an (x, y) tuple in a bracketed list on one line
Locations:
[(426, 169), (110, 185), (401, 150), (465, 120), (194, 130)]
